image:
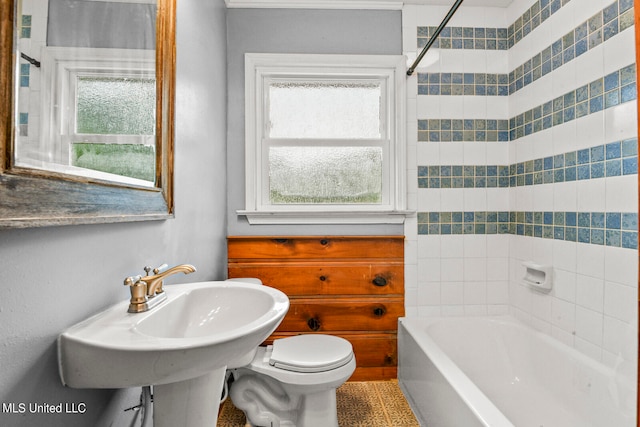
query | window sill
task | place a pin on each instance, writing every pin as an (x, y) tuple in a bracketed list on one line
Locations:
[(308, 217)]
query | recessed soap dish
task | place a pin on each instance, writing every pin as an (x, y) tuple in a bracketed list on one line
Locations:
[(537, 276)]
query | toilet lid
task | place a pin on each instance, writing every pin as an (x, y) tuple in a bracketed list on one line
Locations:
[(311, 353)]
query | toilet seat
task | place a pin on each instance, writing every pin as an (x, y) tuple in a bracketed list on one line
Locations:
[(310, 353)]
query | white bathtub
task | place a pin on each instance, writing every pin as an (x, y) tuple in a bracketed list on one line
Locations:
[(498, 372)]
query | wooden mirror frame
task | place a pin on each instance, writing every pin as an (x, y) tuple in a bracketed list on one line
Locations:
[(33, 198), (636, 19)]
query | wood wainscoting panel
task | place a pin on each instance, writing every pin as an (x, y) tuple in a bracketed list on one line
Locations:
[(348, 286)]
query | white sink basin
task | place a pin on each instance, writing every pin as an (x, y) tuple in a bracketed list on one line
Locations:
[(201, 327)]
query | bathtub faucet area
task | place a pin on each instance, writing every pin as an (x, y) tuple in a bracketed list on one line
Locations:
[(146, 291)]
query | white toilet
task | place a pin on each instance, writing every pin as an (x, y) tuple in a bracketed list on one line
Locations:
[(293, 382)]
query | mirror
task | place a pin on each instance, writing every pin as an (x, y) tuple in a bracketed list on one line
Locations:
[(86, 93)]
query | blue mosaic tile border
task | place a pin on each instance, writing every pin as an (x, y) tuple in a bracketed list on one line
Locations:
[(25, 27), (539, 12), (479, 38), (608, 22), (492, 38), (606, 92), (613, 159), (605, 24), (617, 229), (455, 84), (25, 71), (463, 130), (23, 124), (617, 87)]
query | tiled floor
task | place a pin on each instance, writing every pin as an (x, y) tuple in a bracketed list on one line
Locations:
[(360, 404)]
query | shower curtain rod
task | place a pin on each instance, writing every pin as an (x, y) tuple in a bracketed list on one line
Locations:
[(434, 36)]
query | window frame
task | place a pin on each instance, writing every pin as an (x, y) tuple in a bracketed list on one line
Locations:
[(58, 106), (260, 70)]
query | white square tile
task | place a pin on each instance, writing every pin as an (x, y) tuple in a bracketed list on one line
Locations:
[(565, 196), (475, 246), (618, 55), (452, 200), (429, 270), (452, 153), (453, 310), (498, 245), (590, 293), (590, 260), (497, 269), (619, 338), (452, 293), (497, 199), (541, 305), (590, 130), (564, 255), (451, 269), (429, 294), (475, 269), (498, 292), (564, 285), (543, 253), (475, 310), (475, 199), (428, 246), (621, 266), (563, 315), (620, 302), (621, 193), (475, 153), (428, 153), (475, 293), (621, 122), (591, 195), (589, 325), (452, 246), (410, 276)]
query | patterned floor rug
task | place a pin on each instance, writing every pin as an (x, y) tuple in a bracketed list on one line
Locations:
[(360, 404)]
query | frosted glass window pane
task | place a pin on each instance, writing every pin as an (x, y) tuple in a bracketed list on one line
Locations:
[(325, 175), (132, 160), (116, 106), (325, 110)]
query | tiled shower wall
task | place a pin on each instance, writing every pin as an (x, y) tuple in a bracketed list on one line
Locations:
[(522, 124)]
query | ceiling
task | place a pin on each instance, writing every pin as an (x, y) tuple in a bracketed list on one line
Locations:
[(356, 4), (482, 3)]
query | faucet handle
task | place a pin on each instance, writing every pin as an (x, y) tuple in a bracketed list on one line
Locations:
[(161, 268), (132, 280)]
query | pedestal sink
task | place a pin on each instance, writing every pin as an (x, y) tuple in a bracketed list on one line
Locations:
[(182, 347)]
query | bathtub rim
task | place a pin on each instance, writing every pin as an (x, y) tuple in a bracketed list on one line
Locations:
[(418, 325), (477, 402)]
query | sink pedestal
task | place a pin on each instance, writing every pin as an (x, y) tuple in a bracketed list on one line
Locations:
[(190, 403)]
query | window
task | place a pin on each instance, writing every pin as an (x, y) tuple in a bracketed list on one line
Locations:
[(98, 114), (324, 139)]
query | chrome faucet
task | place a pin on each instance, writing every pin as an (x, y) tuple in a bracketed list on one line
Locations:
[(146, 291)]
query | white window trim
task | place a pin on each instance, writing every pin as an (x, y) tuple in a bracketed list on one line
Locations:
[(263, 66), (59, 66)]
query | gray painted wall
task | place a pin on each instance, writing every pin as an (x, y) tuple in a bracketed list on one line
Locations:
[(296, 31), (91, 24), (51, 278)]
